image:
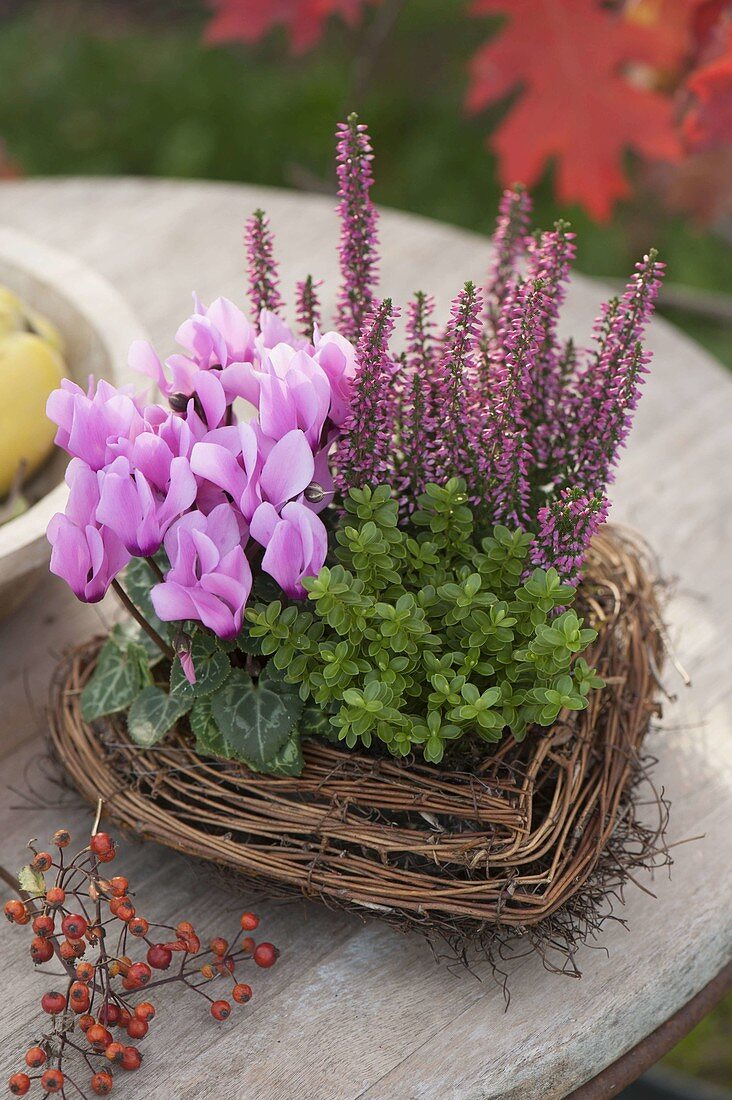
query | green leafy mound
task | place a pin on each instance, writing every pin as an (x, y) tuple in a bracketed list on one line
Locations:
[(414, 637), (423, 635)]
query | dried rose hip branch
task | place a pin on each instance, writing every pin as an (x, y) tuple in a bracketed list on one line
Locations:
[(81, 911)]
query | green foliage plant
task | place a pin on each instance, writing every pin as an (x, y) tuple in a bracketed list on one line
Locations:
[(424, 633)]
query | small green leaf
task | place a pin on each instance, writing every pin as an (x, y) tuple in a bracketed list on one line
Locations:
[(116, 681), (152, 714), (255, 720), (209, 741), (31, 881)]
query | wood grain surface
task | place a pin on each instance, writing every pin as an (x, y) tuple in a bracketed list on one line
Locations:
[(355, 1011)]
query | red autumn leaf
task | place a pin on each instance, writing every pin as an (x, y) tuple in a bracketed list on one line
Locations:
[(250, 20), (708, 123), (572, 60)]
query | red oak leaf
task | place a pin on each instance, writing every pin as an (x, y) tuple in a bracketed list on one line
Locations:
[(573, 61), (708, 123), (250, 20)]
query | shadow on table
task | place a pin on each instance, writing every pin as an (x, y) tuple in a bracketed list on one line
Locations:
[(662, 1084)]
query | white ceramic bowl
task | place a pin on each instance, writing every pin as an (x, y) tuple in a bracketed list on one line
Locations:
[(98, 327)]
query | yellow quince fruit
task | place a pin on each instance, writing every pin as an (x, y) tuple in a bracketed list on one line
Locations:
[(30, 368), (17, 316)]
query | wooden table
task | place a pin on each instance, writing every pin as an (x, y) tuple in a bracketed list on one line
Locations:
[(355, 1010)]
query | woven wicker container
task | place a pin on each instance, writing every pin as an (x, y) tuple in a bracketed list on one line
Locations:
[(525, 838)]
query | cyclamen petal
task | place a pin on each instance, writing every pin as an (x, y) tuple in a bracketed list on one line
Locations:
[(210, 578), (289, 468), (87, 557), (296, 544)]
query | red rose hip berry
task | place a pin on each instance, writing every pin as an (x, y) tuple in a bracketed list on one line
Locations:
[(145, 1011), (101, 844), (137, 1028), (15, 911), (43, 924), (102, 1083), (221, 1010), (74, 926), (265, 955), (53, 1003), (242, 993), (159, 956), (131, 1059), (41, 950), (249, 922), (19, 1084), (52, 1080), (35, 1057)]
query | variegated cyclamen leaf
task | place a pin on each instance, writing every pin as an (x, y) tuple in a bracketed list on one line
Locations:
[(289, 760), (211, 665), (153, 713), (116, 681), (209, 741), (255, 720), (137, 581), (127, 631)]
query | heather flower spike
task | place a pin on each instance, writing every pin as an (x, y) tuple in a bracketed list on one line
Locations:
[(549, 264), (455, 388), (263, 278), (307, 306), (364, 452), (358, 248), (565, 529), (418, 415), (608, 389), (509, 242), (507, 448)]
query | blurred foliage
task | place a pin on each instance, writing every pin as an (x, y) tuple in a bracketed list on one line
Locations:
[(94, 88)]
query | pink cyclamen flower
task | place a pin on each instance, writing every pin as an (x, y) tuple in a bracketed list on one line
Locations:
[(296, 544), (87, 422), (213, 338), (85, 553), (337, 357), (138, 510), (209, 579), (236, 460)]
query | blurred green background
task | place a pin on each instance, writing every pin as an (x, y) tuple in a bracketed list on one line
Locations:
[(129, 87)]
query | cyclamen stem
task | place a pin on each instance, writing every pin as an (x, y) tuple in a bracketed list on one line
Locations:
[(149, 630)]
